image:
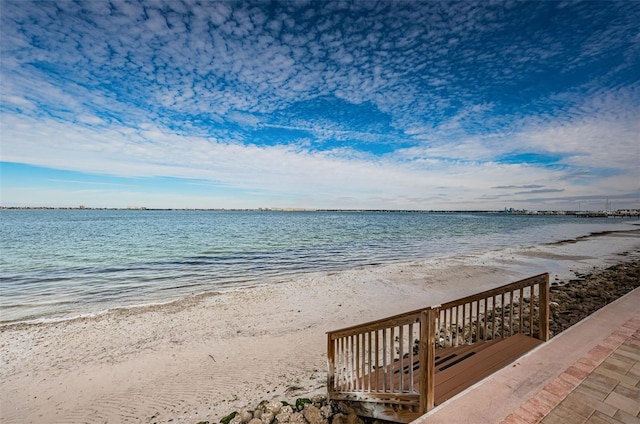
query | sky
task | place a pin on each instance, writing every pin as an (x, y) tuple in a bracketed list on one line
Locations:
[(318, 104)]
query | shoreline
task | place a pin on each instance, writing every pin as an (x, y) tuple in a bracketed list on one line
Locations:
[(142, 307), (201, 358)]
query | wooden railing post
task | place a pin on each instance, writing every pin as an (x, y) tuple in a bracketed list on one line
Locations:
[(543, 302), (331, 361), (427, 359)]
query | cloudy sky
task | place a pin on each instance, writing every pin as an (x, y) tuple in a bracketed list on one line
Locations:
[(376, 105)]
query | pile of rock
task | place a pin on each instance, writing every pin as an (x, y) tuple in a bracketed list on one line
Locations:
[(316, 410), (584, 295)]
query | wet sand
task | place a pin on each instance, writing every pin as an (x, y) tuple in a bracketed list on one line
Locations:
[(203, 357)]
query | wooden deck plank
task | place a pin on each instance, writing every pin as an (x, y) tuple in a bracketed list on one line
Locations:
[(454, 363), (451, 356), (454, 380)]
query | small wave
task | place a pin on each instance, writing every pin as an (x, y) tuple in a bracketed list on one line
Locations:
[(245, 255)]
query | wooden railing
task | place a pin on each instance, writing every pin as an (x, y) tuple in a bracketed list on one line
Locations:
[(379, 363)]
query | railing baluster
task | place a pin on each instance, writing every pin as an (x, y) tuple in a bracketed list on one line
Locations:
[(510, 313), (411, 338), (520, 304), (340, 363), (477, 320), (349, 352), (451, 326), (354, 370), (384, 360), (377, 355), (485, 319), (457, 326), (338, 366), (438, 327), (363, 369), (444, 330), (392, 360), (531, 309), (450, 330), (401, 355), (502, 334), (368, 367), (464, 322), (345, 360), (493, 317), (359, 382)]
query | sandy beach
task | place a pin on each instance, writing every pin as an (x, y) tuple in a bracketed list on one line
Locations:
[(203, 357)]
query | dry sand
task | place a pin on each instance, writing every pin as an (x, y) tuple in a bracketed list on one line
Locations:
[(201, 358)]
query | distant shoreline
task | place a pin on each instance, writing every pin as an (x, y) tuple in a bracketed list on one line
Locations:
[(620, 213)]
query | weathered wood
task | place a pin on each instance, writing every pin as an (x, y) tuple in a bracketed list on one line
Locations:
[(396, 320), (429, 363), (390, 398), (377, 409), (485, 361), (331, 355), (374, 365), (543, 302), (538, 279)]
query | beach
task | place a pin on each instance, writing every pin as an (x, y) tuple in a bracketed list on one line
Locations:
[(203, 357)]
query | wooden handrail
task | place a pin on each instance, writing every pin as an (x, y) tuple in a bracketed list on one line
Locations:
[(527, 282), (405, 317)]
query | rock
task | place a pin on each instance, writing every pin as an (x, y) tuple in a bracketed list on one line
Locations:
[(297, 418), (326, 410), (245, 416), (339, 418), (313, 415), (255, 421), (273, 407), (354, 419), (287, 415), (267, 417), (345, 408), (284, 416), (319, 400), (257, 413)]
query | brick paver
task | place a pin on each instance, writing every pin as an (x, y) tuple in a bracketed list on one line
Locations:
[(601, 387)]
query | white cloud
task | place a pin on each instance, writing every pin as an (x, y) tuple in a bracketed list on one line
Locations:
[(279, 171), (180, 89)]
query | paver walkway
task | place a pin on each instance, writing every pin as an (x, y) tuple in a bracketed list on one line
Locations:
[(601, 387)]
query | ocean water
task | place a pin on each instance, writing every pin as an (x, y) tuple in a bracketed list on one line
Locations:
[(57, 264)]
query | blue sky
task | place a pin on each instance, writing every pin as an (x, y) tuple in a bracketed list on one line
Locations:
[(375, 105)]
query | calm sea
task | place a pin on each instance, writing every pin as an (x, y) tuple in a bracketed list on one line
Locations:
[(64, 263)]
